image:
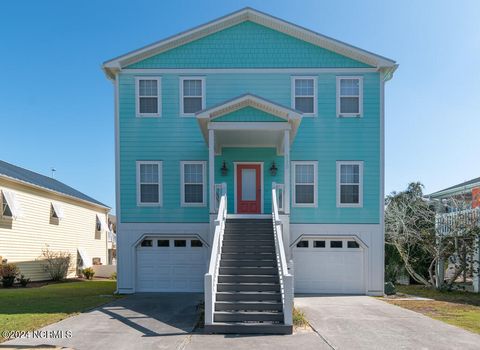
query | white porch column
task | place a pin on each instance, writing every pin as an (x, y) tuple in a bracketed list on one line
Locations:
[(286, 166), (211, 169)]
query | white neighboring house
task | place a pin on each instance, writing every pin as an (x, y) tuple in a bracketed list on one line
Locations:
[(39, 212)]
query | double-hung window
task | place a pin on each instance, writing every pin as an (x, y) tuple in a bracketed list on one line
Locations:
[(349, 96), (193, 183), (192, 91), (148, 93), (304, 95), (149, 183), (305, 184), (349, 184)]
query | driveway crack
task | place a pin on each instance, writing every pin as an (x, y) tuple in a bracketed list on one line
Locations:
[(323, 338)]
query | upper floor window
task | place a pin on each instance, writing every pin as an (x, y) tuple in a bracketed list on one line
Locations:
[(148, 96), (149, 183), (305, 184), (192, 95), (304, 96), (193, 183), (349, 96), (349, 184)]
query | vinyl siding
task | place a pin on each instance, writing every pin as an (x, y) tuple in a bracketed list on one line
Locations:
[(324, 138), (249, 114), (22, 239), (247, 45)]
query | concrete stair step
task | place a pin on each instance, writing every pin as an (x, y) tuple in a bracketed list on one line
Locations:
[(248, 328), (248, 287), (248, 306), (248, 270), (248, 263), (247, 316), (249, 296), (248, 279)]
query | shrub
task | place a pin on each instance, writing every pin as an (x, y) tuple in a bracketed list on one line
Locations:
[(23, 281), (299, 319), (113, 276), (389, 288), (56, 263), (9, 273), (88, 273)]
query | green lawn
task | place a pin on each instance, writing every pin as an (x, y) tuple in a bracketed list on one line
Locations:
[(460, 309), (32, 308)]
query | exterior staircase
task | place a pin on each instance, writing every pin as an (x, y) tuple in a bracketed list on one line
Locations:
[(248, 295)]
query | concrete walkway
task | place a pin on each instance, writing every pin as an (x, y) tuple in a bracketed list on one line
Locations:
[(360, 322), (166, 321)]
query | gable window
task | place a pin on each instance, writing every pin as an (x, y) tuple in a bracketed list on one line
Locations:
[(349, 184), (349, 96), (192, 95), (304, 184), (304, 95), (149, 183), (193, 183), (148, 96)]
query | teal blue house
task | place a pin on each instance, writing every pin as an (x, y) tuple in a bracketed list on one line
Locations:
[(241, 126)]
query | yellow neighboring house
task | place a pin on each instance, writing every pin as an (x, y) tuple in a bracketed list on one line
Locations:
[(39, 212)]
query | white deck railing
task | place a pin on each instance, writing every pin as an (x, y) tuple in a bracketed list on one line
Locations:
[(211, 276), (455, 222), (286, 279), (280, 190)]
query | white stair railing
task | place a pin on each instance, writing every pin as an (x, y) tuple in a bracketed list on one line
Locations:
[(211, 276), (286, 279)]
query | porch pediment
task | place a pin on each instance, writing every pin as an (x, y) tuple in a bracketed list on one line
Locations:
[(249, 120)]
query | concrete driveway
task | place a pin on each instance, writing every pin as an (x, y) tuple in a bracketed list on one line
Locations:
[(360, 322), (167, 321), (157, 321)]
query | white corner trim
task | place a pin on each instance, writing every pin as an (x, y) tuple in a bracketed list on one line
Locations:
[(315, 94), (315, 184), (182, 183), (160, 183), (137, 97), (360, 97), (360, 185), (181, 92)]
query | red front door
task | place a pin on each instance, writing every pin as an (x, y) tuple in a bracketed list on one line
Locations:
[(249, 189)]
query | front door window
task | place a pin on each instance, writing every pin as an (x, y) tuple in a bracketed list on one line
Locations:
[(249, 188)]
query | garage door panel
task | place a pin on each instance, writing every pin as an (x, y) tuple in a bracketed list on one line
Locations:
[(170, 269), (320, 270)]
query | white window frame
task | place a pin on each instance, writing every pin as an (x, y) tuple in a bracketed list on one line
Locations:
[(160, 183), (182, 183), (137, 97), (360, 97), (315, 184), (315, 94), (182, 79), (360, 184)]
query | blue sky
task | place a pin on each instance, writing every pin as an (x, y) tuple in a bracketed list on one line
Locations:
[(56, 106)]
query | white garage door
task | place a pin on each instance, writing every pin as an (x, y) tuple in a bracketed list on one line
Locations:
[(329, 266), (170, 265)]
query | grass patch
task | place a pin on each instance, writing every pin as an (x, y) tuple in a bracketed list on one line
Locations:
[(299, 319), (25, 309), (457, 308)]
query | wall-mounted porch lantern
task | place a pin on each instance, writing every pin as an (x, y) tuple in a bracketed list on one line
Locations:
[(273, 169), (224, 169)]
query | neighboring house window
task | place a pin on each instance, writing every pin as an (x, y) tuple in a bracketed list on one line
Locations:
[(57, 211), (193, 183), (149, 183), (349, 184), (192, 97), (6, 211), (349, 96), (304, 184), (304, 95), (148, 93)]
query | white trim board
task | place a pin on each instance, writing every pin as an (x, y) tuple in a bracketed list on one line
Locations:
[(235, 185), (308, 71)]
